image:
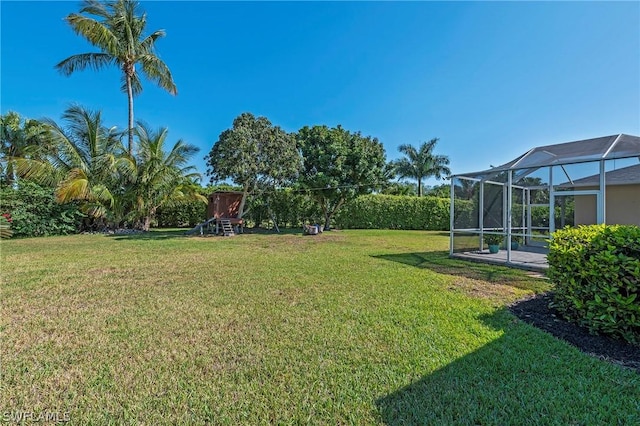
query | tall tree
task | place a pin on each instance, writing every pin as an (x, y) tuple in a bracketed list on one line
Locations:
[(162, 176), (339, 166), (117, 29), (421, 163), (254, 154)]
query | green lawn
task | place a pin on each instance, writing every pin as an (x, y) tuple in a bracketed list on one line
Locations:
[(348, 327)]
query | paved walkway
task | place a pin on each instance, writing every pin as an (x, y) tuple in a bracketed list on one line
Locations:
[(530, 258)]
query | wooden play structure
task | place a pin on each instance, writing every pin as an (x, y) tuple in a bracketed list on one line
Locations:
[(222, 212)]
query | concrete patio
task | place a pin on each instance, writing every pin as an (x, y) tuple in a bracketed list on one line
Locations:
[(531, 258)]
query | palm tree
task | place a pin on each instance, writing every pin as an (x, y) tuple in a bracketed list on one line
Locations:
[(86, 162), (161, 177), (422, 163), (18, 139), (118, 33)]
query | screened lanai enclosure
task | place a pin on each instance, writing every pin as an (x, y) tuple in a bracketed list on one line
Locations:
[(520, 204)]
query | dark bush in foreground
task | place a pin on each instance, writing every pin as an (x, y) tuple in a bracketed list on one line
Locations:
[(379, 211), (596, 271)]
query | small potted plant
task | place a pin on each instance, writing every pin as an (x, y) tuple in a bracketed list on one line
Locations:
[(515, 243), (493, 241)]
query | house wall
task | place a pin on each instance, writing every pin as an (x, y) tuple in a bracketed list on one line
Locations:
[(623, 206), (585, 212)]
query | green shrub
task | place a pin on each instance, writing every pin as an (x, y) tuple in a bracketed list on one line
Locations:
[(596, 271), (377, 211), (181, 214), (34, 211), (290, 208), (293, 209)]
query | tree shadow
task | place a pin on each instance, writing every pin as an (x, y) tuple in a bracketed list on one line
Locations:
[(523, 377), (165, 234), (153, 235), (440, 262)]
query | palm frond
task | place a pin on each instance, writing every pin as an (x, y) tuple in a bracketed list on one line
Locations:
[(95, 32), (37, 170), (148, 43), (95, 7), (83, 61), (158, 72), (136, 85), (5, 228), (75, 186), (102, 194)]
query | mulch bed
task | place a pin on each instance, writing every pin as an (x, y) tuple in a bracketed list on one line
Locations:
[(536, 311)]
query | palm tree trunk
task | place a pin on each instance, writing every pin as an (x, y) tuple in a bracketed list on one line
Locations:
[(419, 187), (146, 224), (130, 97), (10, 174)]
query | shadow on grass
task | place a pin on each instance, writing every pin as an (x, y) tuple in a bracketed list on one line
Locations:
[(440, 262), (157, 235), (523, 377), (165, 234)]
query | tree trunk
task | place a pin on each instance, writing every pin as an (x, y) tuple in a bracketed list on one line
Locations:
[(245, 193), (419, 187), (10, 174), (328, 214), (130, 97), (146, 224)]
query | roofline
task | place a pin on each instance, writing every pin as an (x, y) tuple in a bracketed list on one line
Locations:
[(226, 192), (612, 145), (501, 169)]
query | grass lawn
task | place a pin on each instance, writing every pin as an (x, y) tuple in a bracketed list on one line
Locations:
[(347, 327)]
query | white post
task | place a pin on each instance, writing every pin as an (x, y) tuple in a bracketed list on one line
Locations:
[(552, 204), (481, 215), (451, 218), (602, 198), (509, 213), (524, 216), (504, 208), (527, 239)]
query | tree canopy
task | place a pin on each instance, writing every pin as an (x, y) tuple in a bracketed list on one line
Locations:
[(117, 29), (82, 162), (19, 138), (162, 176), (86, 163), (255, 155), (338, 165), (421, 163)]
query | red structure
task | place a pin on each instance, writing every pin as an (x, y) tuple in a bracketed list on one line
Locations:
[(225, 205)]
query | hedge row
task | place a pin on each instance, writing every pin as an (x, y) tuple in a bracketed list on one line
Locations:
[(181, 214), (596, 272), (292, 209), (379, 211)]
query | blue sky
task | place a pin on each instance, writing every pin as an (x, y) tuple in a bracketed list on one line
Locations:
[(490, 79)]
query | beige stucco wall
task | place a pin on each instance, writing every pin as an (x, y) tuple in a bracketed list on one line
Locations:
[(623, 206), (585, 212)]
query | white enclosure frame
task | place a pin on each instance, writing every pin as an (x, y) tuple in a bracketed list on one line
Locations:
[(555, 190)]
